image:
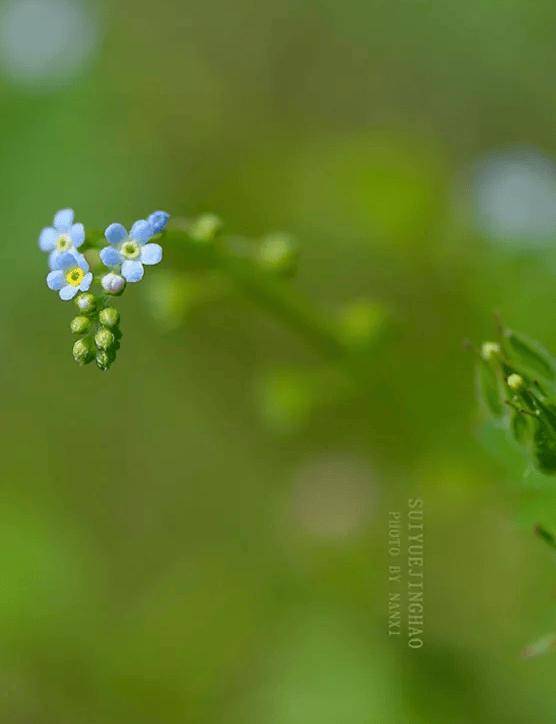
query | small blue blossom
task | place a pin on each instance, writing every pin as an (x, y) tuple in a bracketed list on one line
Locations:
[(131, 251), (70, 275), (158, 221), (64, 236)]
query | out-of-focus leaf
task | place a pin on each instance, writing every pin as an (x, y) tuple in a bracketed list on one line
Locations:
[(545, 447), (531, 355), (521, 428), (489, 388)]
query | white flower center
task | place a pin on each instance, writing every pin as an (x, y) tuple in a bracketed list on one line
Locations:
[(130, 249), (63, 242)]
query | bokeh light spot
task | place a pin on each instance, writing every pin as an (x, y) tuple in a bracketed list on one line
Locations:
[(45, 41)]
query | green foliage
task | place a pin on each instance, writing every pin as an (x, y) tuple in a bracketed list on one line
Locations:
[(516, 387)]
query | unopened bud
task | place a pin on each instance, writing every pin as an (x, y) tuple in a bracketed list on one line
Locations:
[(104, 359), (489, 350), (278, 252), (515, 382), (80, 325), (104, 339), (158, 221), (109, 316), (83, 351), (205, 227), (113, 283), (85, 302)]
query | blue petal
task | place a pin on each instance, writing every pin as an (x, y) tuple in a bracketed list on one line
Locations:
[(77, 234), (86, 283), (141, 231), (158, 221), (151, 254), (132, 271), (47, 239), (63, 220), (55, 280), (110, 256), (115, 233), (68, 292), (65, 260), (53, 256)]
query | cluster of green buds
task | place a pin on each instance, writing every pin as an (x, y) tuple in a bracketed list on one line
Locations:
[(517, 383), (98, 330)]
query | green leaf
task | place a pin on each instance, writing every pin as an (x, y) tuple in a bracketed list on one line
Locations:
[(489, 388), (521, 428), (545, 447), (532, 355)]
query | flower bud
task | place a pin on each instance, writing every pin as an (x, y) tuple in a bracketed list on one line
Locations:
[(80, 325), (113, 283), (515, 382), (104, 359), (205, 227), (489, 350), (278, 253), (85, 302), (110, 317), (83, 351), (104, 338)]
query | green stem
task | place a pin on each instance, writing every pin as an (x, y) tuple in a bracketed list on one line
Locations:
[(268, 290)]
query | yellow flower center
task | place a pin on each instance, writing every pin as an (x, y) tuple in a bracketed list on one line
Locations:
[(130, 249), (75, 276), (63, 243)]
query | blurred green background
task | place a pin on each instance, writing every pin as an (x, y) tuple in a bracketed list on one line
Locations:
[(185, 540)]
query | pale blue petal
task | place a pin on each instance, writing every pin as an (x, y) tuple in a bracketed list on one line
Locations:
[(47, 239), (158, 221), (77, 235), (141, 231), (110, 256), (56, 280), (132, 271), (63, 220), (86, 283), (52, 259), (68, 292), (151, 254), (64, 260), (80, 260), (115, 233)]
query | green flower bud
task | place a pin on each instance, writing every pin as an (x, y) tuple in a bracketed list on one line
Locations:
[(490, 350), (205, 228), (104, 359), (104, 339), (110, 317), (515, 382), (278, 253), (361, 323), (85, 302), (83, 351), (80, 325)]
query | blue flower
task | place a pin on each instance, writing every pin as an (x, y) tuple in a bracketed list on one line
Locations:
[(158, 221), (131, 250), (62, 237), (70, 275)]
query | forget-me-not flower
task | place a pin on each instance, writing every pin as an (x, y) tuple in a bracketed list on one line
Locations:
[(70, 275), (132, 251), (63, 236)]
